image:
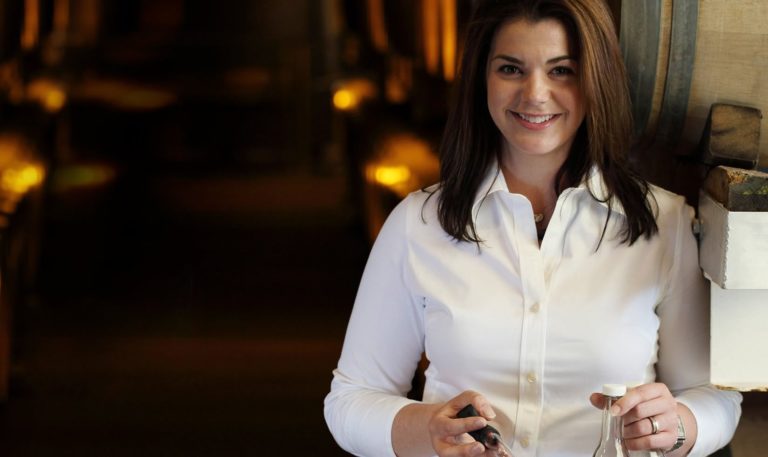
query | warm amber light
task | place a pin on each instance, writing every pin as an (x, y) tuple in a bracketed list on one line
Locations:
[(348, 94), (22, 178), (48, 93), (30, 32), (392, 176), (377, 25), (449, 38), (430, 16), (54, 100), (404, 163), (344, 100), (19, 170)]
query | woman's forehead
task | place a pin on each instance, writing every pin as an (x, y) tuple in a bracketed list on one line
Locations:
[(531, 38)]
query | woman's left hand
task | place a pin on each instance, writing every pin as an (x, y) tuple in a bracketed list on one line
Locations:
[(642, 407)]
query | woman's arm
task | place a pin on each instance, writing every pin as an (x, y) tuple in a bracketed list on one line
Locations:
[(410, 431), (683, 362), (709, 416), (382, 346), (367, 410)]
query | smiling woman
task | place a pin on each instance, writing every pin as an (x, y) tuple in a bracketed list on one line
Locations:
[(585, 73), (535, 100), (525, 327), (533, 94)]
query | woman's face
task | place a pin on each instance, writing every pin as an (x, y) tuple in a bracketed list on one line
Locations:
[(533, 88)]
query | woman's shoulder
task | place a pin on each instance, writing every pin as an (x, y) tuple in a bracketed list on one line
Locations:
[(669, 207), (420, 202), (418, 208)]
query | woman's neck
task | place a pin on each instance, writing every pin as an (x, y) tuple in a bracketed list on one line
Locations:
[(533, 177)]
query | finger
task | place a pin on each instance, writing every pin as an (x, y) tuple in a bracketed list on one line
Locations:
[(651, 408), (640, 394), (444, 426), (597, 400), (471, 449), (662, 440), (461, 444), (666, 422), (481, 404), (445, 449)]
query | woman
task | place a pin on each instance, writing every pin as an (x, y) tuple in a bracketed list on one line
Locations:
[(537, 270)]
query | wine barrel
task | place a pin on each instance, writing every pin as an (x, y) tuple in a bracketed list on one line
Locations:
[(684, 55)]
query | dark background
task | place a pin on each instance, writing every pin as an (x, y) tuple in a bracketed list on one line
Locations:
[(179, 284), (191, 259)]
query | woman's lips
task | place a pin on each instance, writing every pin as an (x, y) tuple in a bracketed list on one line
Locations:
[(535, 121)]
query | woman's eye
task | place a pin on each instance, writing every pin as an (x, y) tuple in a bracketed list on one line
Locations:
[(562, 71), (509, 70)]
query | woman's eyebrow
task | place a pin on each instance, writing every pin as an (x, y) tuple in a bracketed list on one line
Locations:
[(560, 59), (510, 59), (517, 61)]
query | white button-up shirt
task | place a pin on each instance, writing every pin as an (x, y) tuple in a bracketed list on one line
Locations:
[(534, 328)]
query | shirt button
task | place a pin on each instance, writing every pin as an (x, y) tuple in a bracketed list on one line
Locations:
[(524, 442), (535, 308), (532, 377)]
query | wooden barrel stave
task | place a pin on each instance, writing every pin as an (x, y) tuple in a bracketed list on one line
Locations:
[(703, 52)]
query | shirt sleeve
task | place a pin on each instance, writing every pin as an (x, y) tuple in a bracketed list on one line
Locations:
[(382, 347), (683, 362)]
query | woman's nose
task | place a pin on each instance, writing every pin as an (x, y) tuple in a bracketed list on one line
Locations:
[(536, 89)]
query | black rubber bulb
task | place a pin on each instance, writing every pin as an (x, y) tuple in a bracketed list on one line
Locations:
[(487, 435)]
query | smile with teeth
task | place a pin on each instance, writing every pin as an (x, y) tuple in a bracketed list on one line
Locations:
[(535, 119)]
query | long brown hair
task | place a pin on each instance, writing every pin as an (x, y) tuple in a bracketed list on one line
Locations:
[(471, 141)]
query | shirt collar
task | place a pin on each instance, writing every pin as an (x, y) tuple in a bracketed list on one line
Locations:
[(595, 183), (494, 182)]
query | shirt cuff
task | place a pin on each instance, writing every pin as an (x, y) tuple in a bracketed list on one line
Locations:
[(381, 418), (361, 421), (716, 413)]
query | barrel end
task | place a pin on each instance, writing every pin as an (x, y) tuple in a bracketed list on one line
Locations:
[(738, 189), (732, 136)]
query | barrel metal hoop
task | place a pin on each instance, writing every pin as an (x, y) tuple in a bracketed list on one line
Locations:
[(682, 53)]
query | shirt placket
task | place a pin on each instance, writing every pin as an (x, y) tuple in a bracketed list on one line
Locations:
[(531, 369)]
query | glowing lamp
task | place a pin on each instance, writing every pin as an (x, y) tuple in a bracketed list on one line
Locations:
[(345, 100)]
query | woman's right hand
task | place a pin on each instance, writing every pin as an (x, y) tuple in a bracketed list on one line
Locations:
[(449, 434)]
